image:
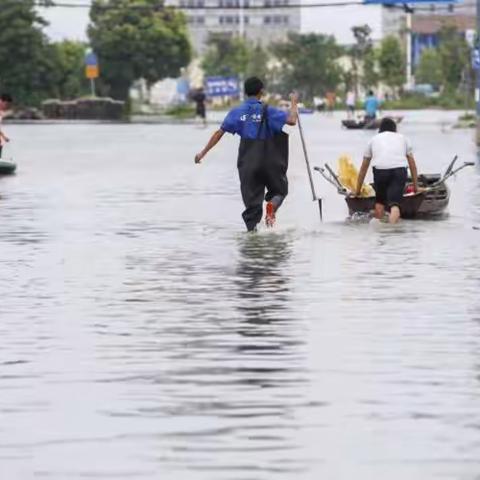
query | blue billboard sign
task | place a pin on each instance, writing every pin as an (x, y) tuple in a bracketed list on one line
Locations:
[(476, 58), (222, 87), (403, 2), (91, 59)]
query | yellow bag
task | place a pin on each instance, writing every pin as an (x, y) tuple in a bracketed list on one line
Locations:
[(348, 176)]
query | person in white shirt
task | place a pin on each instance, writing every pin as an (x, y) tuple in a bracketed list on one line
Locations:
[(350, 103), (390, 154), (5, 103)]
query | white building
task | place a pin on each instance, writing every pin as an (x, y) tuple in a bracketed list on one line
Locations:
[(265, 23)]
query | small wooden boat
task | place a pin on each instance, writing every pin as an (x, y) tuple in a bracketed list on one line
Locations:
[(433, 200), (366, 125), (306, 111), (409, 207), (7, 167)]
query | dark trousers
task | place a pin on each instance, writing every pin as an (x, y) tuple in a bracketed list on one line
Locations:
[(262, 166), (1, 148)]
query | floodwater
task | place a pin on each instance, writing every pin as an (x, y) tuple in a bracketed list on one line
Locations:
[(145, 336)]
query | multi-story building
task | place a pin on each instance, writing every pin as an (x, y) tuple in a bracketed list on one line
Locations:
[(426, 22), (268, 21)]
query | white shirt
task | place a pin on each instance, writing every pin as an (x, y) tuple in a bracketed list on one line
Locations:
[(388, 150), (2, 141), (350, 98)]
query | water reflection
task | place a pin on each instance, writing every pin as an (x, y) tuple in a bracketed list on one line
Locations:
[(140, 330), (267, 321), (262, 278)]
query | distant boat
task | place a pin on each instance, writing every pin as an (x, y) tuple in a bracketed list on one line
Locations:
[(366, 125), (304, 110), (7, 167)]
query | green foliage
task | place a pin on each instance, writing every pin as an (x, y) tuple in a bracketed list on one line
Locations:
[(391, 62), (27, 61), (429, 69), (258, 63), (454, 55), (70, 69), (226, 56), (370, 75), (308, 63), (362, 55), (181, 111), (146, 41), (415, 101)]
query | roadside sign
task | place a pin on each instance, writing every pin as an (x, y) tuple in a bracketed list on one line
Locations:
[(91, 59), (476, 58), (222, 86), (91, 71)]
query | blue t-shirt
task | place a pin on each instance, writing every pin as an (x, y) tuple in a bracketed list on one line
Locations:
[(371, 106), (245, 119)]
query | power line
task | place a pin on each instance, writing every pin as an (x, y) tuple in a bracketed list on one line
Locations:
[(161, 6), (206, 7)]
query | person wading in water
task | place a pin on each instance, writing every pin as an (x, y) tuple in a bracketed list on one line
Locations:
[(5, 104), (390, 153), (263, 153)]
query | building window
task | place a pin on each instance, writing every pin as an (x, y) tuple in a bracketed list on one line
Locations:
[(246, 20), (451, 7), (267, 3), (200, 3), (200, 20), (285, 20), (266, 20)]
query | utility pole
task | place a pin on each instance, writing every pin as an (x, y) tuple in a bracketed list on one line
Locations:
[(409, 48), (408, 64), (241, 20), (477, 71)]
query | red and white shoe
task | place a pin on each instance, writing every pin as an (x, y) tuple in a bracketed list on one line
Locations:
[(270, 215)]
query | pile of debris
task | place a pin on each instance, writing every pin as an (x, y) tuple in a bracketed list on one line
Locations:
[(84, 109)]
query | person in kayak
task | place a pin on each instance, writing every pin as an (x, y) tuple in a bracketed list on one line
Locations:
[(5, 104), (372, 105), (263, 153), (390, 153)]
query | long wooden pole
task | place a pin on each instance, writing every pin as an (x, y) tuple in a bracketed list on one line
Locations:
[(309, 169)]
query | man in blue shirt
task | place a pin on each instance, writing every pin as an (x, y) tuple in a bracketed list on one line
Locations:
[(263, 153), (371, 106)]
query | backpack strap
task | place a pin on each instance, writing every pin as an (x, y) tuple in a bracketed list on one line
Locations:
[(264, 120)]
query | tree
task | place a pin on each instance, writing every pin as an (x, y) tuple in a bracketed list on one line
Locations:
[(70, 58), (141, 40), (362, 54), (454, 56), (370, 74), (391, 62), (226, 56), (308, 63), (429, 69), (27, 66), (258, 61)]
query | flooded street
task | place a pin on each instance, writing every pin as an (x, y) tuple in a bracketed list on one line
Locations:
[(145, 336)]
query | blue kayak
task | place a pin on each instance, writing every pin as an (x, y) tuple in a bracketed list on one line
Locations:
[(7, 167)]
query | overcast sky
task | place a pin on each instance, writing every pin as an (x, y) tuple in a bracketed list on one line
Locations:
[(72, 22)]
